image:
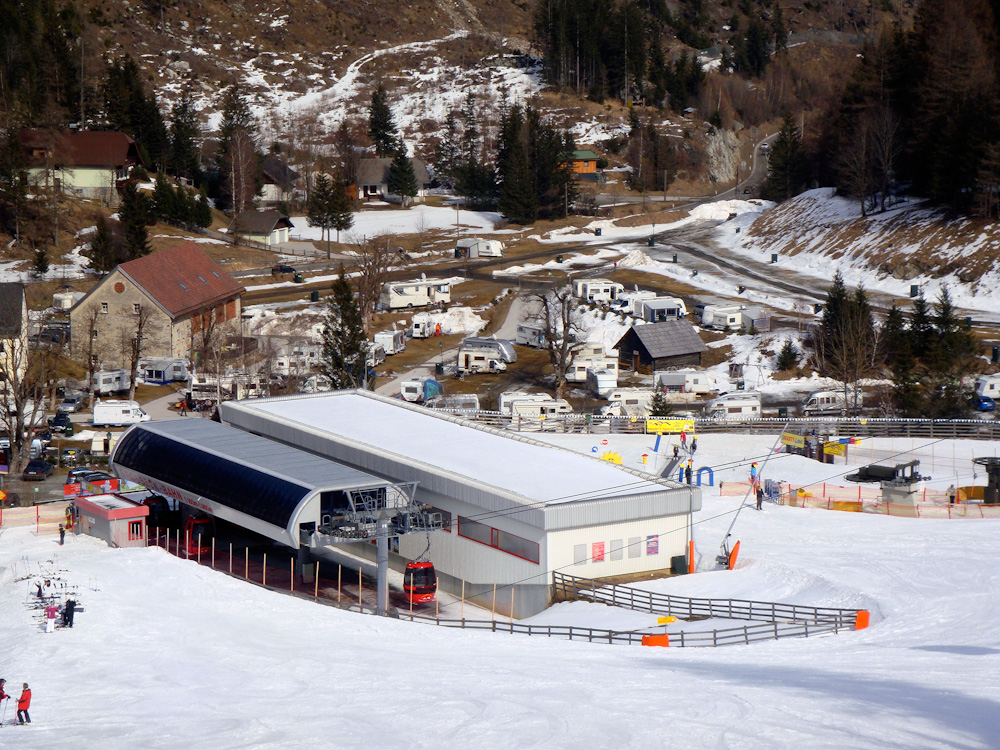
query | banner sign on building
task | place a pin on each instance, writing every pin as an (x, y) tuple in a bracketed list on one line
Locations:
[(669, 425), (793, 440), (653, 544), (598, 552)]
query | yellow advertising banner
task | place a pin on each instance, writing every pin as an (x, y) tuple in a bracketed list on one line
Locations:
[(835, 449), (670, 425), (796, 441)]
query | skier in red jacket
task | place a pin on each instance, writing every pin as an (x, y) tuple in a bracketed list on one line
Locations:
[(22, 705)]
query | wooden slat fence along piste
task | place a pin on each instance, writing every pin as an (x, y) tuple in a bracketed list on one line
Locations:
[(776, 620)]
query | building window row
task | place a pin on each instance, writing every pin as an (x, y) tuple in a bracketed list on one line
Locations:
[(615, 550), (497, 539)]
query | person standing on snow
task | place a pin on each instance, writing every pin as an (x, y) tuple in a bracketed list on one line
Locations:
[(50, 617), (3, 695), (760, 498), (62, 535), (951, 495), (23, 703), (68, 611), (694, 445), (753, 473), (684, 439), (676, 451)]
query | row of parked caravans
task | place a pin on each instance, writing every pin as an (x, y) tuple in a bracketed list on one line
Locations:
[(645, 305), (732, 317)]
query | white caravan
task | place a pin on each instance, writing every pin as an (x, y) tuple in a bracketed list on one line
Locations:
[(156, 370), (510, 397), (530, 335), (631, 302), (392, 342), (601, 381), (826, 402), (422, 326), (415, 293), (316, 383), (579, 369), (110, 381), (720, 317), (628, 402), (376, 355), (118, 413), (738, 405), (662, 309), (535, 409), (600, 291), (989, 386), (500, 348), (473, 247), (684, 381), (475, 360)]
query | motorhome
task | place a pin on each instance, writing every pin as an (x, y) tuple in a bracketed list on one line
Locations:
[(316, 383), (393, 342), (118, 413), (415, 293), (630, 302), (600, 291), (684, 381), (475, 360), (740, 405), (456, 402), (422, 326), (601, 381), (530, 335), (298, 358), (988, 385), (662, 309), (628, 402), (420, 389), (110, 381), (535, 409), (501, 348), (721, 317), (509, 397), (473, 247), (239, 385), (827, 402), (158, 370), (578, 369), (376, 355)]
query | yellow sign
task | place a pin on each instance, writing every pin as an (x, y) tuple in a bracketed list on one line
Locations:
[(835, 449), (670, 425), (796, 441), (665, 620)]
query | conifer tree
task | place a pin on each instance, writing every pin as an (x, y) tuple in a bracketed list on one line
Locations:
[(345, 344), (162, 207), (202, 214), (659, 406), (788, 357), (517, 193), (787, 168), (103, 253), (402, 180), (343, 216), (321, 210), (381, 125), (133, 213), (184, 131), (921, 327)]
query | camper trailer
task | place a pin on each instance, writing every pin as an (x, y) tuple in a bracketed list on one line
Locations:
[(662, 309), (118, 413), (744, 405), (721, 317), (422, 326), (826, 402), (456, 402), (209, 386), (420, 390), (599, 291), (684, 381), (297, 357), (392, 342), (530, 335), (988, 386), (316, 383), (65, 300), (475, 360), (630, 302), (110, 381), (415, 293), (376, 355), (601, 381), (534, 408), (163, 370), (628, 402), (578, 369), (501, 348), (472, 247), (509, 397)]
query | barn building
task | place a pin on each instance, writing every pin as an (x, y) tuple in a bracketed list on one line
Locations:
[(513, 509)]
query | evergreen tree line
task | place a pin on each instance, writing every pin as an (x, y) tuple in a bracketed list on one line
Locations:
[(925, 352), (617, 48), (921, 113)]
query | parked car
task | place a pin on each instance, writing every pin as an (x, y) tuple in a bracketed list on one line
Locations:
[(281, 268), (79, 475), (61, 423), (36, 470), (985, 403), (71, 455), (71, 404)]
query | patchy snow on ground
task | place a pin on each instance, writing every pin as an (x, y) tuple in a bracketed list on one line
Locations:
[(154, 656), (414, 220)]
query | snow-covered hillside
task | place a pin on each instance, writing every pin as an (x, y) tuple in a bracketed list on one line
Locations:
[(167, 654)]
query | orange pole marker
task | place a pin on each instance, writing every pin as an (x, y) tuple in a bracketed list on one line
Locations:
[(656, 640), (861, 619), (691, 556)]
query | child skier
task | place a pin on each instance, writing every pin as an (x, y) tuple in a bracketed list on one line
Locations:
[(23, 703)]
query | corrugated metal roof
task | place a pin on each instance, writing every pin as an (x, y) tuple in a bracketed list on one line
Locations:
[(302, 468), (672, 338)]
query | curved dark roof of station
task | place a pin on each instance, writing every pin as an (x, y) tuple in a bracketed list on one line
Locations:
[(245, 472)]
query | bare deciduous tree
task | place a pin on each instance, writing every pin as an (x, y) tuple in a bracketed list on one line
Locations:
[(852, 353), (89, 351), (24, 370), (375, 260), (136, 329), (556, 314)]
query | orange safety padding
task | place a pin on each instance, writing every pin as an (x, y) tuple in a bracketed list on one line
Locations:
[(656, 640), (861, 619), (691, 556), (733, 555)]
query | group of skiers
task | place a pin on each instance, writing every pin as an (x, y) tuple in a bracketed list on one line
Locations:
[(23, 703)]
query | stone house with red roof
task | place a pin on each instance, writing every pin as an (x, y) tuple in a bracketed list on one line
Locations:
[(186, 296), (86, 163)]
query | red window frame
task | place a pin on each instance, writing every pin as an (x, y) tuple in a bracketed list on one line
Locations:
[(135, 531), (495, 540)]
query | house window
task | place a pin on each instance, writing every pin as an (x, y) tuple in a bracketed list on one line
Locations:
[(104, 308), (136, 308), (134, 530)]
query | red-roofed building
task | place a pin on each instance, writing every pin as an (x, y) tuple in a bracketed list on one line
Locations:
[(189, 300), (87, 163)]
